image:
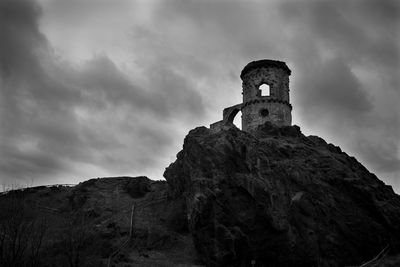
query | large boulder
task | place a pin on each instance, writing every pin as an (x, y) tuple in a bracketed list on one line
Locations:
[(278, 198)]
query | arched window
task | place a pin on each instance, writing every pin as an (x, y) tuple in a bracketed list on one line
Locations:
[(265, 90)]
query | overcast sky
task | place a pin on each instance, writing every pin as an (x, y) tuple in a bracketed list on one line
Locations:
[(93, 88)]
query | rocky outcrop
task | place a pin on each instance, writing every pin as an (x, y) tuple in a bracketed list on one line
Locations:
[(278, 198)]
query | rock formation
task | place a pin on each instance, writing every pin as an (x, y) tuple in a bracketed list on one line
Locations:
[(278, 198)]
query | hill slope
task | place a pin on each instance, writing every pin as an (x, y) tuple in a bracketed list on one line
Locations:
[(90, 224)]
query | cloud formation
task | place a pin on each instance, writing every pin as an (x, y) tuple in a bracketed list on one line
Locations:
[(91, 89), (350, 81), (59, 119)]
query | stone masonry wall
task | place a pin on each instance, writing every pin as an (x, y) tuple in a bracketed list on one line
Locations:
[(276, 78), (275, 108), (254, 115)]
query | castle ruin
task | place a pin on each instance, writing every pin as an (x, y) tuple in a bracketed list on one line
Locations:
[(258, 108)]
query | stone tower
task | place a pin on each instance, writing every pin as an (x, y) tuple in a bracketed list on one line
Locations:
[(256, 107), (275, 107)]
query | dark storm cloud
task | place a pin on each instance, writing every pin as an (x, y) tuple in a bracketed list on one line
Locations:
[(19, 35), (56, 116), (350, 37), (362, 32), (185, 59), (334, 87), (167, 94)]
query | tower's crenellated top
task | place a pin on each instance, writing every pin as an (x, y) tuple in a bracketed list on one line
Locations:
[(265, 96)]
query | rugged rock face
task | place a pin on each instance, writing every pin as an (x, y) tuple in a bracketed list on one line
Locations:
[(280, 198)]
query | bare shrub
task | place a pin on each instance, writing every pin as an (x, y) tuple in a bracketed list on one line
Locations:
[(21, 233), (78, 244)]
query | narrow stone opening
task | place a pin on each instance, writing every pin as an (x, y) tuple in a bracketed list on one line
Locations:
[(238, 120), (265, 89), (264, 112)]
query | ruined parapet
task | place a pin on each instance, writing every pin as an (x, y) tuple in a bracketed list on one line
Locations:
[(229, 115), (256, 108)]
